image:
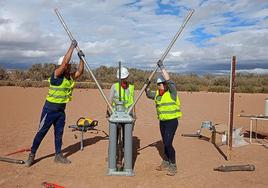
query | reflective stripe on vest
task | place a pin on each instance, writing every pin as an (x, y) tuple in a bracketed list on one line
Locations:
[(166, 107), (127, 98), (62, 93)]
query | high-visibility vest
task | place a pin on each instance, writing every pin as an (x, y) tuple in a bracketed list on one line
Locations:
[(127, 98), (62, 93), (166, 107)]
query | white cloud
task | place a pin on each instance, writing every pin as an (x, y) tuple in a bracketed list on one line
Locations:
[(253, 71), (34, 53), (111, 30)]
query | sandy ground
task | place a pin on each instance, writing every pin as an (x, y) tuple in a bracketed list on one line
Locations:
[(19, 117)]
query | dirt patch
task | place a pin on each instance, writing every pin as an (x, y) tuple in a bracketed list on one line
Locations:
[(19, 117)]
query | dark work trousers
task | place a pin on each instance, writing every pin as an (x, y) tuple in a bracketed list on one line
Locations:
[(49, 117), (168, 129)]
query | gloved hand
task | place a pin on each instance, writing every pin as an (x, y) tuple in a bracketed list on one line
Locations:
[(74, 43), (80, 54), (148, 82), (160, 64)]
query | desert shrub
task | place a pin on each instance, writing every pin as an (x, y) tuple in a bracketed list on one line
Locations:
[(39, 72), (264, 81), (82, 85), (39, 84), (245, 83), (104, 74), (218, 89), (6, 83), (244, 89), (188, 87), (18, 75), (220, 81), (3, 74), (264, 89)]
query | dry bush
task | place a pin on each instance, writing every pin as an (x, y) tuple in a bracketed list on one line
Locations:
[(218, 89), (6, 83), (3, 74), (106, 76)]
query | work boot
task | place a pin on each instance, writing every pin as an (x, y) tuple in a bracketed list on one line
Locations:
[(164, 166), (30, 160), (172, 170), (59, 158)]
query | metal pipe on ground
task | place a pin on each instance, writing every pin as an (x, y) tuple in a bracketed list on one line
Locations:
[(162, 58), (224, 168), (83, 58), (10, 160)]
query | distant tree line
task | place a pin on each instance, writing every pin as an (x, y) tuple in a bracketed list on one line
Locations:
[(37, 76)]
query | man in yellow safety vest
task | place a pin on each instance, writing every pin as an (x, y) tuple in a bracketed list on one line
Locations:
[(127, 90), (127, 99), (61, 84)]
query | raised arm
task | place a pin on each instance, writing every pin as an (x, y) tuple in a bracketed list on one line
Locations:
[(81, 65), (163, 70), (171, 85), (64, 65)]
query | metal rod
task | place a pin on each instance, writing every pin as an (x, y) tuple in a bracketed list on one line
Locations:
[(119, 79), (231, 107), (163, 57), (81, 141), (224, 168), (83, 58), (10, 160)]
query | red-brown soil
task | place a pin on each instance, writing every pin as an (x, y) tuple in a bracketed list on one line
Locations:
[(19, 117)]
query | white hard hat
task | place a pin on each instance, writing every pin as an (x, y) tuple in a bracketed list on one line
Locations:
[(60, 60), (124, 73), (160, 79)]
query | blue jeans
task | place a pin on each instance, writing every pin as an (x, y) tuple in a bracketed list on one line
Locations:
[(49, 117), (168, 129)]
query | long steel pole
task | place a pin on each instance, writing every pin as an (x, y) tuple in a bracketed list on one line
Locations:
[(83, 58), (231, 107), (163, 57), (119, 80)]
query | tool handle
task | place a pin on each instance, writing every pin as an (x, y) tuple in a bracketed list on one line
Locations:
[(83, 58), (162, 58)]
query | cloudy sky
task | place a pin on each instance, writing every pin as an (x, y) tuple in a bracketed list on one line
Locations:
[(137, 32)]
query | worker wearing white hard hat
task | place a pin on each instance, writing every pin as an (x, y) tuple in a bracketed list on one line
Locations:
[(160, 79), (168, 112), (127, 99), (61, 84), (124, 73), (127, 90)]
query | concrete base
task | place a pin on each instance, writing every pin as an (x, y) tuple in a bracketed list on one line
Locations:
[(125, 172)]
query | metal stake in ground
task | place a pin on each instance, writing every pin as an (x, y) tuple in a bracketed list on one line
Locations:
[(231, 107), (162, 58), (83, 58)]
